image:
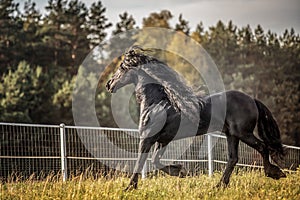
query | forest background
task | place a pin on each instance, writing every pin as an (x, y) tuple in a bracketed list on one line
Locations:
[(40, 56)]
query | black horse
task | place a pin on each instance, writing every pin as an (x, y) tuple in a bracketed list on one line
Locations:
[(169, 110)]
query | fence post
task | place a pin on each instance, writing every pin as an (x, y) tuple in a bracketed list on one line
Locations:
[(63, 151), (209, 151)]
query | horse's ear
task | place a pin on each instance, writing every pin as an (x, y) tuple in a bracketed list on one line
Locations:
[(135, 49), (138, 50)]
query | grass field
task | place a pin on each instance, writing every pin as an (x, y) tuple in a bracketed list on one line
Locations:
[(244, 185)]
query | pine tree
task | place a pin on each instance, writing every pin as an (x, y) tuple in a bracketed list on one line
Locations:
[(53, 32), (158, 19), (10, 27), (97, 24), (123, 36), (25, 94), (31, 40), (198, 34), (126, 23), (182, 25), (76, 33)]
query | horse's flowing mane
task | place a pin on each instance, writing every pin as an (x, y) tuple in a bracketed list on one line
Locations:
[(179, 94)]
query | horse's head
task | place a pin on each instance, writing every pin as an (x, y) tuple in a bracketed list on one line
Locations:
[(140, 68), (128, 69), (122, 77)]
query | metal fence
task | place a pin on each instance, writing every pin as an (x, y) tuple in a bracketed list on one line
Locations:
[(27, 149)]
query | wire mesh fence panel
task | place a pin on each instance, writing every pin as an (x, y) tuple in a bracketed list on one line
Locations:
[(292, 158), (26, 149), (249, 157), (29, 149), (219, 152), (101, 148)]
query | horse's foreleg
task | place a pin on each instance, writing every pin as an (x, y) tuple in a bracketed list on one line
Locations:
[(144, 148), (159, 150), (232, 143), (173, 170)]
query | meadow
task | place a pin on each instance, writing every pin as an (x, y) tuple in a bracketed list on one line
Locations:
[(243, 185)]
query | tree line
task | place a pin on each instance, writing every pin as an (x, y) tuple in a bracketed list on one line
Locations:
[(40, 55)]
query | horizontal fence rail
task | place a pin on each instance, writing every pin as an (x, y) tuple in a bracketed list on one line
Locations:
[(28, 149)]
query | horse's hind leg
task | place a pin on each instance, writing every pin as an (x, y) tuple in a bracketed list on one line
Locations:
[(232, 143), (270, 169), (173, 170)]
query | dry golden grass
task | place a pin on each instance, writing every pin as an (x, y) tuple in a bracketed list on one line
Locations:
[(244, 185)]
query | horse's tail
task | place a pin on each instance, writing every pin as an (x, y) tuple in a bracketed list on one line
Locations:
[(269, 132)]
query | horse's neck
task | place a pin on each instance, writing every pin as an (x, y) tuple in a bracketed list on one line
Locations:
[(149, 94)]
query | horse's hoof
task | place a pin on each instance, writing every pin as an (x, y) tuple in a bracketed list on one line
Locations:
[(217, 186), (182, 172), (275, 173), (282, 175), (220, 185), (131, 186), (177, 170)]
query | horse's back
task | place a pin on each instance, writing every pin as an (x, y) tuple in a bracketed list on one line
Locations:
[(237, 110)]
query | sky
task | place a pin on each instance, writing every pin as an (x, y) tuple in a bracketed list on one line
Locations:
[(274, 15)]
